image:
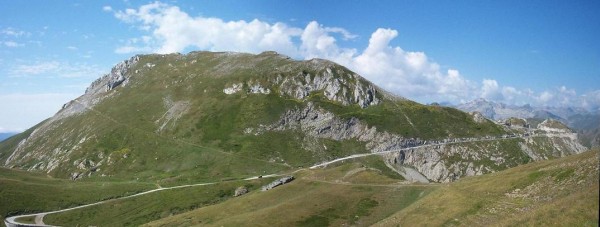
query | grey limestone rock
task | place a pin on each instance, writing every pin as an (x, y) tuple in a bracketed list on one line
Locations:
[(478, 117), (240, 191), (278, 182)]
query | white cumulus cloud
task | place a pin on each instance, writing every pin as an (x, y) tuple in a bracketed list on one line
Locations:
[(174, 30), (407, 73)]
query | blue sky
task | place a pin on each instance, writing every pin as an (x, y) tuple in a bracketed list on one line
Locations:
[(545, 53)]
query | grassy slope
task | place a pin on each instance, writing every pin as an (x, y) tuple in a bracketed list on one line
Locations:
[(353, 193), (305, 203), (556, 192), (142, 209), (25, 192)]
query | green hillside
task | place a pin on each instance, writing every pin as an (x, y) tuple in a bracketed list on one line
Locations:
[(171, 120), (24, 192)]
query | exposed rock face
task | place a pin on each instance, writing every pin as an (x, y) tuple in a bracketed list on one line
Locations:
[(278, 182), (433, 159), (257, 88), (436, 163), (174, 111), (319, 123), (240, 191), (478, 117), (118, 73), (554, 126), (99, 89), (235, 88), (337, 85)]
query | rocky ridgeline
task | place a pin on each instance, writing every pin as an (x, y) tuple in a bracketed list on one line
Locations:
[(98, 90), (278, 182), (336, 84)]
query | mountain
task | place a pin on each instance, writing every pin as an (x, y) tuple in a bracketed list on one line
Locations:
[(586, 123), (6, 135), (216, 116), (588, 128), (500, 111)]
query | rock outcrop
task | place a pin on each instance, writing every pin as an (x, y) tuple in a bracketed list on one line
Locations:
[(240, 191), (333, 82), (337, 85), (478, 117), (317, 122), (278, 182)]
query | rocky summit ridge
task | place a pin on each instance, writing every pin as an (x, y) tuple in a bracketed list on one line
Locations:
[(220, 115)]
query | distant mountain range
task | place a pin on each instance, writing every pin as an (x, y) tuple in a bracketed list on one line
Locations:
[(6, 135), (499, 111), (586, 123)]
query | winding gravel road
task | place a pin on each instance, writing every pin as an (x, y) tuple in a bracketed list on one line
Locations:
[(11, 221)]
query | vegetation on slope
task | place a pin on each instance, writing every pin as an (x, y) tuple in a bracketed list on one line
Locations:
[(351, 193), (24, 192), (142, 209), (555, 192), (172, 120)]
